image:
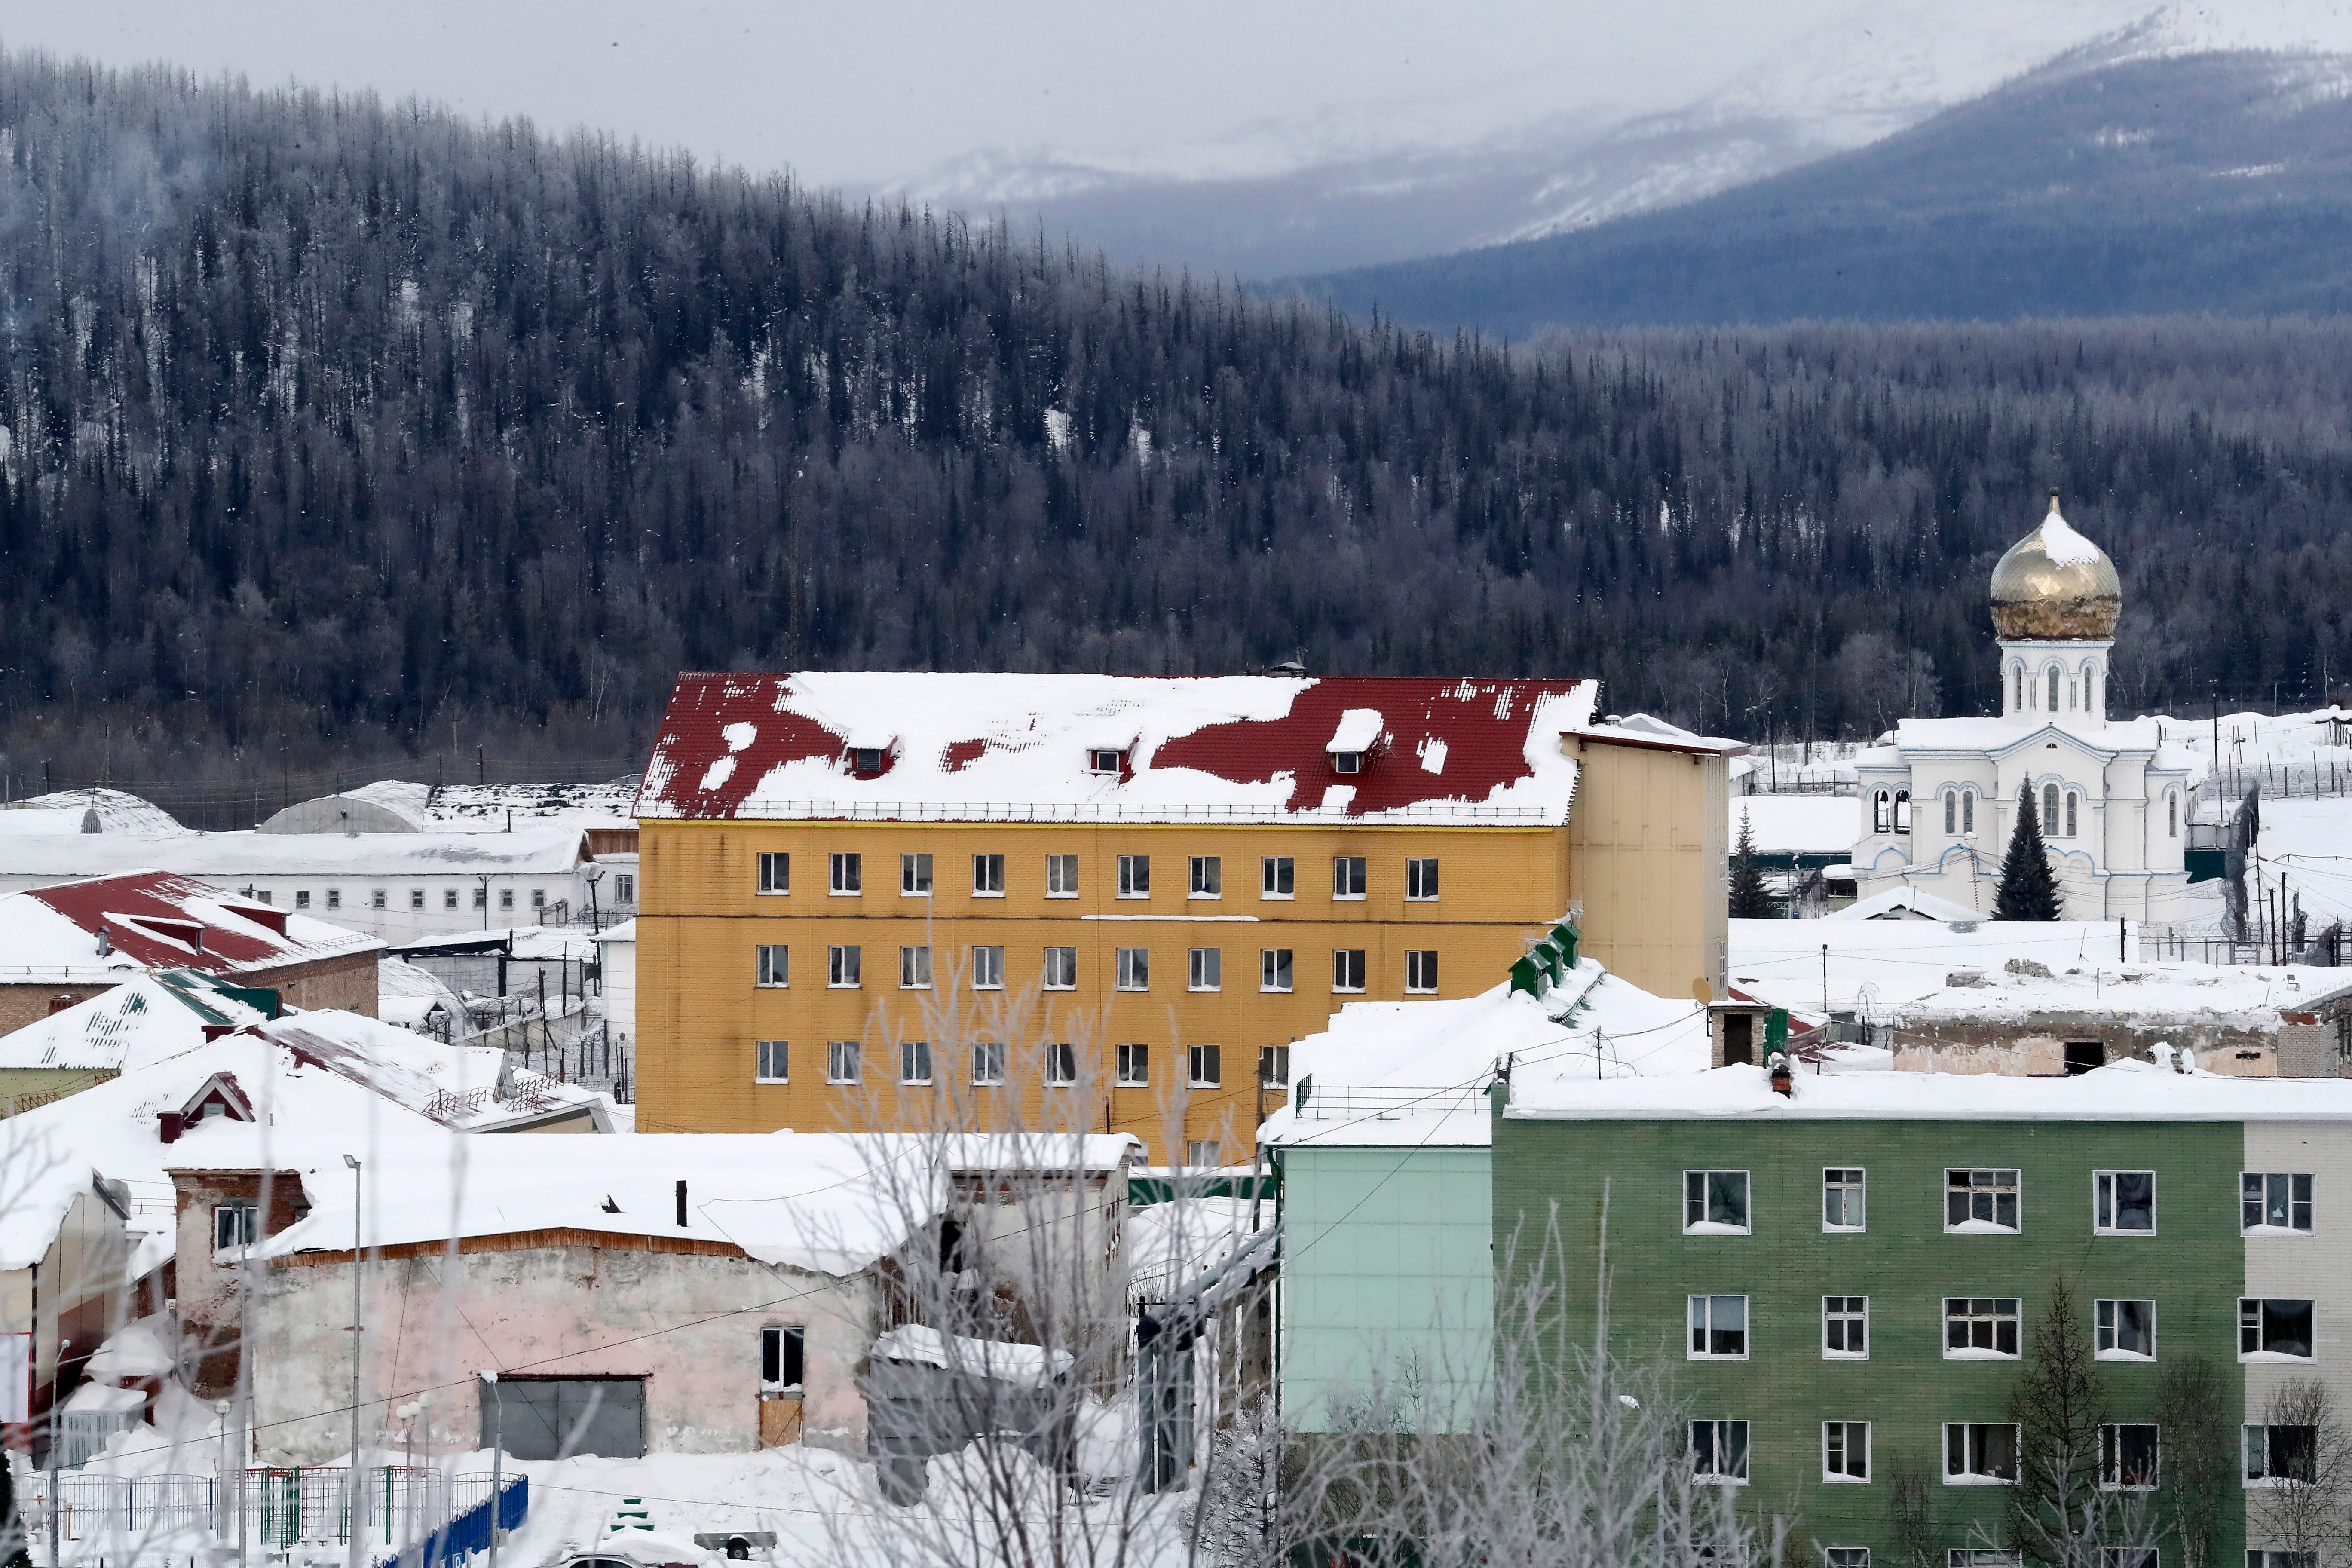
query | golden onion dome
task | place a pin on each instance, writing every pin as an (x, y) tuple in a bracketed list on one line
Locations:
[(2055, 586)]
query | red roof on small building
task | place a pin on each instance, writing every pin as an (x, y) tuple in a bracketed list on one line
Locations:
[(1029, 747), (158, 919)]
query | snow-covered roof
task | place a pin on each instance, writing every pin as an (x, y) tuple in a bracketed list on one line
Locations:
[(1027, 1365), (1644, 730), (486, 808), (542, 851), (2126, 1090), (1799, 824), (1415, 1072), (1906, 903), (67, 811), (539, 944), (448, 1084), (138, 1023), (109, 927), (625, 931), (1015, 747)]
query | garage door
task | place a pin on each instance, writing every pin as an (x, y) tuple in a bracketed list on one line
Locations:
[(554, 1417)]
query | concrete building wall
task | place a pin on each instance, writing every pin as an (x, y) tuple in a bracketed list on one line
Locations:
[(700, 1013), (1649, 855), (72, 1299), (620, 966), (686, 1323), (1388, 1284), (2037, 1042)]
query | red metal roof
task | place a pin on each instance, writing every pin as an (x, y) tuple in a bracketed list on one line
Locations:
[(163, 921), (741, 745)]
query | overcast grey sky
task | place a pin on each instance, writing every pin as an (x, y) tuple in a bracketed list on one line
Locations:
[(875, 92)]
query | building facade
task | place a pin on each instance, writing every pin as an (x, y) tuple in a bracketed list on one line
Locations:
[(1939, 796), (1847, 1282), (1120, 899)]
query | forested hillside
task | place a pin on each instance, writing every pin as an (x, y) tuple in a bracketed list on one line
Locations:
[(343, 431)]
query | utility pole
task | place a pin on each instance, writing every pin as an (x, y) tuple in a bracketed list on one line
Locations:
[(497, 1455), (1825, 985), (358, 1493)]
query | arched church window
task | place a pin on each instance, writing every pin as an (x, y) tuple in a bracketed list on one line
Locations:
[(1882, 818), (2171, 814), (1968, 811), (2017, 686), (1902, 811), (2073, 800), (2048, 810), (1951, 812), (2054, 688), (2091, 688)]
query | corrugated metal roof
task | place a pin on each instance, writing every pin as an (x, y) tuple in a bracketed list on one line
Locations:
[(1017, 747), (160, 920)]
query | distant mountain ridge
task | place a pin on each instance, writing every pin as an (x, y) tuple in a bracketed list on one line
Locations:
[(2162, 183)]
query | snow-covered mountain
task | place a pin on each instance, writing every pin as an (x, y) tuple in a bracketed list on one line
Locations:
[(1362, 184)]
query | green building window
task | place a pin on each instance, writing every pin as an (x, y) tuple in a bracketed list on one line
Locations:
[(1845, 1451), (1980, 1200), (2126, 1330), (1719, 1452), (1842, 1200), (1719, 1328), (1980, 1328), (2124, 1203), (1979, 1453), (1715, 1203), (1845, 1327), (2127, 1458)]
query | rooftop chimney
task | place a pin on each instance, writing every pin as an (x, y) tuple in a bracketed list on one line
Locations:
[(171, 1124), (1782, 1085), (681, 1206)]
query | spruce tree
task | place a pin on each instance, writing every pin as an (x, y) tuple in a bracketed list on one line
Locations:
[(1750, 901), (2027, 890)]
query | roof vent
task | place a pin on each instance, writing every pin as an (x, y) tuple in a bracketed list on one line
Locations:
[(1288, 669)]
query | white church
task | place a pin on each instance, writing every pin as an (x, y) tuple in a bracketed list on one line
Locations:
[(1939, 796)]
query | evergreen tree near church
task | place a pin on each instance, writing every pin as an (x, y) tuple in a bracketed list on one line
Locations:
[(2028, 890), (1749, 898)]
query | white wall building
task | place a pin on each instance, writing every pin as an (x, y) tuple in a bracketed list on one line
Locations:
[(1938, 799)]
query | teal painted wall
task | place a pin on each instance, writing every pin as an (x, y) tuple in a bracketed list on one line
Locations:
[(1906, 1263), (1387, 1281)]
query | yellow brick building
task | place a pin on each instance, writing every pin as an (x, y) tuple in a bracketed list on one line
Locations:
[(1117, 897)]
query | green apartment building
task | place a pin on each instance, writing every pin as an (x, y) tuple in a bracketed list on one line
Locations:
[(1845, 1279)]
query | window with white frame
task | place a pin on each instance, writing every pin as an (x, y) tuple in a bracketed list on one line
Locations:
[(1103, 759), (1845, 1452), (841, 966), (624, 889), (914, 1061), (415, 899), (1844, 1198), (841, 1063), (1719, 1328), (914, 876), (1421, 879), (1980, 1200), (1421, 971), (2273, 1328), (1980, 1328), (1348, 969), (450, 895), (2277, 1454), (2017, 680), (775, 1063), (988, 876), (1273, 1066), (1207, 1066), (914, 969), (1208, 877), (1061, 1064), (2123, 1330), (2274, 1202), (1278, 876), (2073, 804), (380, 899), (1845, 1557), (987, 1064), (1134, 1065), (2127, 1457), (1951, 812), (1204, 1154), (988, 969), (776, 873), (2049, 811), (1983, 1557), (236, 1225), (775, 966), (537, 899), (1968, 811), (335, 897), (783, 1359), (1061, 875), (1135, 876), (1845, 1327), (1715, 1203), (1208, 969), (2255, 1558), (1348, 876), (1135, 968), (2123, 1203), (1061, 969), (1719, 1452), (506, 898), (1882, 811), (302, 901), (1273, 969), (2054, 688), (1979, 1453), (2171, 814), (849, 876)]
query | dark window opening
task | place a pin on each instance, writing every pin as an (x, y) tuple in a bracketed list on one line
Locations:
[(2081, 1056), (1739, 1038), (783, 1359)]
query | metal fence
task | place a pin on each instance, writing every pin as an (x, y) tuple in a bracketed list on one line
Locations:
[(400, 1507)]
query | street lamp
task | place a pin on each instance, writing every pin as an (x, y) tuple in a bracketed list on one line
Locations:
[(351, 1506), (592, 874)]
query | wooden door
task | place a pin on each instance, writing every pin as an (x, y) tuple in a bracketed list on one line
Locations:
[(780, 1423)]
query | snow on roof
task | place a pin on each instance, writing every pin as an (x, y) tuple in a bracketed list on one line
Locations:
[(1799, 824), (1891, 904), (543, 943), (1359, 727), (1415, 1072), (449, 1084), (1644, 729), (2126, 1090), (1014, 747), (67, 810), (1029, 1365), (625, 931), (156, 919), (545, 851), (1168, 1246), (484, 808), (138, 1023), (2063, 546)]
